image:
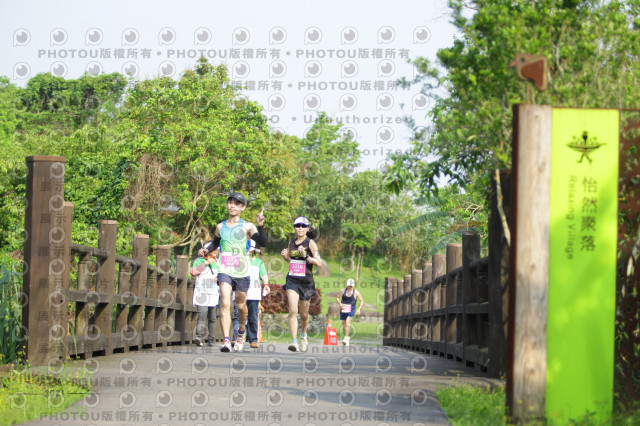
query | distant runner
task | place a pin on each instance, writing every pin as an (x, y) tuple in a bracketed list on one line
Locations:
[(301, 254), (347, 300)]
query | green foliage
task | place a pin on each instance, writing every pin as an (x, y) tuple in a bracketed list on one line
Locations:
[(468, 405), (11, 343), (592, 49), (25, 395), (157, 155)]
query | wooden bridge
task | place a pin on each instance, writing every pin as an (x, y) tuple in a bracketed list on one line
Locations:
[(456, 306), (128, 325)]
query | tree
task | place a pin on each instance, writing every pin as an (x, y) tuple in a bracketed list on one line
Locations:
[(189, 143), (592, 49), (593, 52)]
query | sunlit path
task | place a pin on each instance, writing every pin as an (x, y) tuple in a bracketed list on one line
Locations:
[(358, 385)]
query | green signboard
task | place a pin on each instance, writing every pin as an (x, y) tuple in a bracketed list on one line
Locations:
[(582, 263)]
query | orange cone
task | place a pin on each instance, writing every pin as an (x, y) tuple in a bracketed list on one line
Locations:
[(330, 335), (259, 329)]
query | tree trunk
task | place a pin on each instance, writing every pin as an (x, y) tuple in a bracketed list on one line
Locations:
[(359, 267), (353, 256)]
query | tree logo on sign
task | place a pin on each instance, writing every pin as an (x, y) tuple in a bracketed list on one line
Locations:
[(585, 145)]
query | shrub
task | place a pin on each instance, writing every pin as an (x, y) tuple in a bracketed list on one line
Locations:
[(276, 302)]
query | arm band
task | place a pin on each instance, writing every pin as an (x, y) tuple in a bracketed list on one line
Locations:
[(260, 237), (216, 243)]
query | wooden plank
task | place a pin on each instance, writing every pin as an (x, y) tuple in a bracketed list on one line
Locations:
[(439, 263), (416, 295), (529, 275), (477, 308), (83, 286), (471, 253), (139, 253), (406, 304), (163, 294), (498, 275), (450, 323), (182, 270), (454, 260), (122, 299), (60, 239), (105, 281), (87, 296)]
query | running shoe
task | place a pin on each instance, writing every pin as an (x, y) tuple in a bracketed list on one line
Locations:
[(293, 347), (239, 343), (254, 345), (345, 341), (303, 344), (198, 341), (226, 346), (212, 343)]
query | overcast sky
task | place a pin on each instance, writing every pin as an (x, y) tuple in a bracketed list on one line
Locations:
[(296, 58)]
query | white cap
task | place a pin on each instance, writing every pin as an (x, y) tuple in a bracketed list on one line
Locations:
[(351, 282), (252, 246), (301, 220)]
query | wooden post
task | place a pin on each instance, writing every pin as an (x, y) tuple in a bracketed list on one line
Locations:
[(44, 198), (426, 304), (85, 266), (123, 330), (470, 252), (182, 270), (60, 238), (439, 263), (416, 298), (139, 253), (454, 260), (394, 309), (529, 274), (151, 302), (400, 307), (163, 261), (406, 310), (105, 282), (171, 308), (192, 315), (499, 276)]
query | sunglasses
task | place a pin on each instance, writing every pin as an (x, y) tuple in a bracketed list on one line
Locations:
[(299, 225)]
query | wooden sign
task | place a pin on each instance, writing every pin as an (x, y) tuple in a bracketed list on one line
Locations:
[(563, 260)]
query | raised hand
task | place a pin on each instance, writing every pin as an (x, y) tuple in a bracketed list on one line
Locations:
[(260, 218)]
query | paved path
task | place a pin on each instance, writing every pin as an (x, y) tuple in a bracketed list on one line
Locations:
[(328, 385)]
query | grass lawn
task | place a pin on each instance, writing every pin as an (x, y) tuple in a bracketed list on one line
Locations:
[(362, 333), (371, 284), (468, 405), (25, 396)]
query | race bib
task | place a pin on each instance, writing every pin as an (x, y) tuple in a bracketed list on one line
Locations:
[(230, 260), (346, 309), (209, 284), (298, 268)]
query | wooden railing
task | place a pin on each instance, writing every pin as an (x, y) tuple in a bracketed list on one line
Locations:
[(107, 308), (456, 305)]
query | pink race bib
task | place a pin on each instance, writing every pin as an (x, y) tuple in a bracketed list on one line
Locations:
[(346, 309), (230, 260), (297, 268)]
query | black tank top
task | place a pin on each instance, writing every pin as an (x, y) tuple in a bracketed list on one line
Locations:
[(349, 300), (308, 277)]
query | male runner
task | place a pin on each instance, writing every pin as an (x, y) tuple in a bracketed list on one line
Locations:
[(232, 235)]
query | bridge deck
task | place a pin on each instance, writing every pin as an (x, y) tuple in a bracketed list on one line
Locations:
[(357, 385)]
